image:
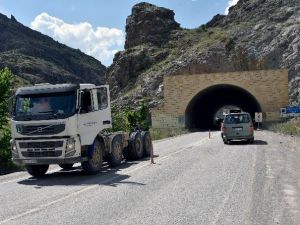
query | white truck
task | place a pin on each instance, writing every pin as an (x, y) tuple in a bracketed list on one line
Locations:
[(63, 124)]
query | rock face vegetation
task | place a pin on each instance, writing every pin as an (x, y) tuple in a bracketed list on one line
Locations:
[(256, 34)]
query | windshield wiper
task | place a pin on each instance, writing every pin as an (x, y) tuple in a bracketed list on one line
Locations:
[(51, 111), (58, 114)]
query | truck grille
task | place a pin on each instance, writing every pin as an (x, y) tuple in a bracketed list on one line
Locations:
[(41, 145), (40, 129), (41, 149), (42, 153)]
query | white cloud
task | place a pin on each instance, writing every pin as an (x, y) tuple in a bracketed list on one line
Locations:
[(4, 11), (230, 3), (100, 42)]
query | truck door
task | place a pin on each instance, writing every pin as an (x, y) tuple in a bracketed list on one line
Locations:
[(103, 105), (94, 114)]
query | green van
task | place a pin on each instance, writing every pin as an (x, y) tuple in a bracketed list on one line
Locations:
[(237, 126)]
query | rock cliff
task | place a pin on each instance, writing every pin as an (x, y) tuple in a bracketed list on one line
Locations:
[(256, 34)]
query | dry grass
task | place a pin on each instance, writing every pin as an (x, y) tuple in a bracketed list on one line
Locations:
[(158, 134), (290, 127)]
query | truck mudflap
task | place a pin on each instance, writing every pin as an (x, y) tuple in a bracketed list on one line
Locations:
[(49, 161)]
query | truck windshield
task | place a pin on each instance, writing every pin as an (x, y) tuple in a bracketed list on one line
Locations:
[(45, 106)]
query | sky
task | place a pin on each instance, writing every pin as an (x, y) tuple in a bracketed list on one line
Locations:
[(97, 27)]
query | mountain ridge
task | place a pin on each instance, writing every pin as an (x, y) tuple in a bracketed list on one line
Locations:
[(37, 58)]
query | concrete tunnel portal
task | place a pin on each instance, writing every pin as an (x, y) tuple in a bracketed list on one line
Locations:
[(201, 110)]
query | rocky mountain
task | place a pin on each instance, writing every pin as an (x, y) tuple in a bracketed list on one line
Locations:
[(37, 58), (256, 34)]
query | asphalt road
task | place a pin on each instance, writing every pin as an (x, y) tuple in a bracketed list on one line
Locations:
[(195, 180)]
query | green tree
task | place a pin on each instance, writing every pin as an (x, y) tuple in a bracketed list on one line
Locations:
[(5, 86), (127, 120), (119, 120), (139, 118)]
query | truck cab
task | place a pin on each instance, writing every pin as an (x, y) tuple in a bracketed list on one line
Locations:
[(62, 124)]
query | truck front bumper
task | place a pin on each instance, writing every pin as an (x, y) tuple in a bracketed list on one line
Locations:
[(39, 150), (37, 161)]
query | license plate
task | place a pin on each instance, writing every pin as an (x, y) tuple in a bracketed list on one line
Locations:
[(238, 128), (29, 161)]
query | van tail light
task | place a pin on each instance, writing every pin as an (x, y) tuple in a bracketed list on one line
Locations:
[(251, 128), (223, 128)]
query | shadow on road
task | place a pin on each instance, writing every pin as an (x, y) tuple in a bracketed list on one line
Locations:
[(76, 177), (260, 142), (256, 142)]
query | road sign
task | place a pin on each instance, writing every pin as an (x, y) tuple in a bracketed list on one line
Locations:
[(290, 111), (258, 117)]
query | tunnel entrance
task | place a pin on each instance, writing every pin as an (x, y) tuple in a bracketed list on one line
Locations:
[(202, 110)]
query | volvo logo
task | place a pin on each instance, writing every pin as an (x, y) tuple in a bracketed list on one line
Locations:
[(39, 129)]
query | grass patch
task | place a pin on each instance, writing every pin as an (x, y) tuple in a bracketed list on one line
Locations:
[(158, 134), (291, 127)]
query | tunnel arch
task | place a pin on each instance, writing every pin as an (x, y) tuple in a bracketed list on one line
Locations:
[(200, 111)]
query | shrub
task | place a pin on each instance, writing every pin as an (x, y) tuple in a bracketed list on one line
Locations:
[(5, 153), (128, 120), (119, 120), (138, 118), (5, 85)]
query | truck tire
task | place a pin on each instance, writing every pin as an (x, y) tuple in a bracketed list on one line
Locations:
[(116, 155), (37, 170), (66, 166), (94, 162), (135, 146), (126, 153), (147, 143)]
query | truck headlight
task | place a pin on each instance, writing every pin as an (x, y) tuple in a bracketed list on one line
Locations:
[(14, 149), (70, 147)]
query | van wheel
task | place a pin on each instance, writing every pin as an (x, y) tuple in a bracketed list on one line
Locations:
[(94, 162), (37, 170), (135, 146), (147, 143), (251, 141), (66, 166), (116, 155)]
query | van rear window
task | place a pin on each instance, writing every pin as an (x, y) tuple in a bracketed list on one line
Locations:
[(235, 119)]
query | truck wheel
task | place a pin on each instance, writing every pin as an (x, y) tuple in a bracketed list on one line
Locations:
[(94, 162), (126, 153), (37, 170), (147, 142), (116, 155), (135, 146), (66, 166)]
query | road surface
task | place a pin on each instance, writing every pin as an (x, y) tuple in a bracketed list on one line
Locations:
[(196, 180)]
